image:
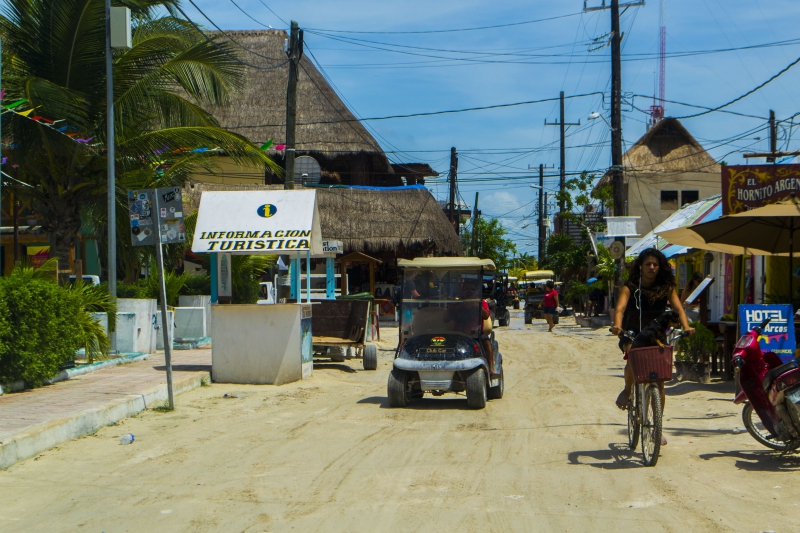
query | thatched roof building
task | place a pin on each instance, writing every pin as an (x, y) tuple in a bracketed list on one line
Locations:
[(664, 170), (326, 129), (406, 221)]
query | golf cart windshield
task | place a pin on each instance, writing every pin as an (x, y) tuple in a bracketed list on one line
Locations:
[(441, 301)]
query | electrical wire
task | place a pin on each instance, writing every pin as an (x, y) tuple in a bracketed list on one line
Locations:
[(218, 47), (748, 93), (477, 28)]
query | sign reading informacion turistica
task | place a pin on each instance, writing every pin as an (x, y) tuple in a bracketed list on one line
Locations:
[(156, 210), (258, 222), (778, 335)]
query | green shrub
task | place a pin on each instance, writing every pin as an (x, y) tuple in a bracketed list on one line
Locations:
[(691, 349), (197, 286), (129, 290), (42, 332)]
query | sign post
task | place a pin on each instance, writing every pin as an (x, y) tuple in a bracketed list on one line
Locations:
[(157, 219), (778, 335)]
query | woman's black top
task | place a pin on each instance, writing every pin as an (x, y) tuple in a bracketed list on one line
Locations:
[(650, 310)]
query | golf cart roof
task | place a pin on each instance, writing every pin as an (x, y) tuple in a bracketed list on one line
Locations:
[(446, 263), (539, 274), (512, 278)]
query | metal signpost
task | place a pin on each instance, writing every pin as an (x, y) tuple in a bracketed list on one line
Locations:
[(157, 219)]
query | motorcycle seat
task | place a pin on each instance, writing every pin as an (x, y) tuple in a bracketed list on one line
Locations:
[(773, 374)]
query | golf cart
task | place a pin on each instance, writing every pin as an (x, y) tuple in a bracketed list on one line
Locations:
[(503, 299), (441, 346), (534, 293)]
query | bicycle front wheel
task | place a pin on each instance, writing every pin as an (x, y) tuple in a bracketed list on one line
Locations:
[(651, 425), (633, 419)]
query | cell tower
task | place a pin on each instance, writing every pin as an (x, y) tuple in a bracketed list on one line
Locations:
[(657, 109)]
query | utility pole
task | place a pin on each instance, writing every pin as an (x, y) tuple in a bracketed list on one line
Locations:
[(295, 52), (773, 154), (474, 244), (542, 235), (453, 177), (111, 185), (563, 176), (617, 180), (773, 137)]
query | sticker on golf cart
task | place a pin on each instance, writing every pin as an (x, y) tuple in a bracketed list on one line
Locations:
[(438, 341)]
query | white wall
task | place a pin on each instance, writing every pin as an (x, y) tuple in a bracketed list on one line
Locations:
[(256, 344)]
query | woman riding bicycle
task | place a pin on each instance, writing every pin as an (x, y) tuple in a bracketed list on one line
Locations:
[(650, 288)]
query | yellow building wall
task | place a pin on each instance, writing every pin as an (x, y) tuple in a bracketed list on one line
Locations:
[(644, 194), (778, 276)]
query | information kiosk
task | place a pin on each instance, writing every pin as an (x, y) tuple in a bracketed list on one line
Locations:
[(259, 344)]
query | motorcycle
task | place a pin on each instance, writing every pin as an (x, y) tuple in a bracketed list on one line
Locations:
[(770, 392)]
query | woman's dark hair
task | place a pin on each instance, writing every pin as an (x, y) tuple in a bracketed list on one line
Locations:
[(549, 284), (697, 277), (665, 279)]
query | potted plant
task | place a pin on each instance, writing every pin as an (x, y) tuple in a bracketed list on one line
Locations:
[(691, 360)]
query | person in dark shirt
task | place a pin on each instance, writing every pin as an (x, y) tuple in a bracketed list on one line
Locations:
[(650, 288)]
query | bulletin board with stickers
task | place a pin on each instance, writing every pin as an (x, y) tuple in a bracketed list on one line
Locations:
[(156, 214)]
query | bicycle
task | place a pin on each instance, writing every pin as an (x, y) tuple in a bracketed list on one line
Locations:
[(650, 365)]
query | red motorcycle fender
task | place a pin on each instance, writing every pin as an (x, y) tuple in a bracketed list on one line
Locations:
[(740, 398), (772, 359)]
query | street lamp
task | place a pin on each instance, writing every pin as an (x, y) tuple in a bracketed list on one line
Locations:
[(594, 115)]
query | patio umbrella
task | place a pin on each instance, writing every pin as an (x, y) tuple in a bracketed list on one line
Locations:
[(768, 230)]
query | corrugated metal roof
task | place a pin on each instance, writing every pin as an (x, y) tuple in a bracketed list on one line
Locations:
[(702, 210)]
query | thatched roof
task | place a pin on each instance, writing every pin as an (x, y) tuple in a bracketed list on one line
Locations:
[(324, 123), (668, 148), (366, 219), (369, 219)]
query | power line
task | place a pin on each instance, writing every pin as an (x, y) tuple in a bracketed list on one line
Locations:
[(419, 32), (425, 114), (218, 47), (748, 93)]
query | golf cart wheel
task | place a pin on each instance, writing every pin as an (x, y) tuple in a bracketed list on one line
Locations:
[(349, 353), (476, 389), (370, 357), (495, 393), (528, 317), (336, 353), (397, 388), (516, 305), (503, 320)]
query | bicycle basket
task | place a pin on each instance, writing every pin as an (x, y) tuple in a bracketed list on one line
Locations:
[(652, 363)]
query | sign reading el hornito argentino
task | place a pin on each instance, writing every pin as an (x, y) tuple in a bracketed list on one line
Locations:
[(258, 222), (747, 187)]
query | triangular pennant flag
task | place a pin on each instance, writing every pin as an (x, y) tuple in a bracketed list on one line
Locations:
[(25, 113), (266, 145), (15, 104)]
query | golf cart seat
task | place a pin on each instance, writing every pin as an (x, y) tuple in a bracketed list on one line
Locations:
[(429, 320)]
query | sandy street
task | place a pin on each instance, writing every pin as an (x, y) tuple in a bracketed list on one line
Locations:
[(329, 455)]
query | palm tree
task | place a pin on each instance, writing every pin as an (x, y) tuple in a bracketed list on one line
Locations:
[(54, 59)]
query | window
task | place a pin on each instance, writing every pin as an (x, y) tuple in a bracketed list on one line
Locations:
[(688, 197), (669, 200)]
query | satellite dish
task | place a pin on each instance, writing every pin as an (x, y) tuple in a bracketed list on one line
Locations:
[(306, 170)]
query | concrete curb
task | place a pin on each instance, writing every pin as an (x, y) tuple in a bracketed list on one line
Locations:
[(45, 436)]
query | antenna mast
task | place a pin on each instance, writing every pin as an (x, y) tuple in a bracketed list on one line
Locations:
[(657, 109)]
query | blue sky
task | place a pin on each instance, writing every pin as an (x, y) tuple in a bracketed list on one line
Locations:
[(414, 71)]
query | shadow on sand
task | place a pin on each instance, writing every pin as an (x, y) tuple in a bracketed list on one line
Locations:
[(335, 366), (757, 461), (425, 404), (185, 368), (617, 457)]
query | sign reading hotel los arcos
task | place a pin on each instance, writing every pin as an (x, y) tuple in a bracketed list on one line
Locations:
[(258, 222)]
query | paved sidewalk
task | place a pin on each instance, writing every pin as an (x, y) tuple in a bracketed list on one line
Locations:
[(38, 419)]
